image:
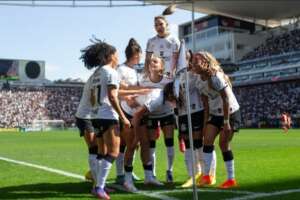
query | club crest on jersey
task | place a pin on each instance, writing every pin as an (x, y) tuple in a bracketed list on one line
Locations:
[(169, 45), (161, 46)]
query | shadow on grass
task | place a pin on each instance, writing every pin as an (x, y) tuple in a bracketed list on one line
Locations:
[(273, 185), (46, 191)]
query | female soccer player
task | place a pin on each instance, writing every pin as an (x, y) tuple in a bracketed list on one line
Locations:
[(163, 45), (164, 117), (154, 102), (129, 79), (84, 116), (104, 96), (224, 115), (197, 117)]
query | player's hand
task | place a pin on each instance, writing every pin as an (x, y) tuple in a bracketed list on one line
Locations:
[(126, 122), (130, 100)]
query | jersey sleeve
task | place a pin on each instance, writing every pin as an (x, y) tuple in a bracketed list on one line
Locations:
[(175, 46), (112, 78), (218, 82), (149, 48)]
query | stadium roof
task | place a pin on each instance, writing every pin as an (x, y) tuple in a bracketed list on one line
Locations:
[(259, 10)]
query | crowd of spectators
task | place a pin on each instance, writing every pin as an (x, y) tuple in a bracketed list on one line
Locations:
[(20, 106), (262, 105), (275, 45)]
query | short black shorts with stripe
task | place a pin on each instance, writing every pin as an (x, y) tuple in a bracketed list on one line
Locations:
[(197, 122), (102, 125), (234, 120), (84, 125), (152, 123)]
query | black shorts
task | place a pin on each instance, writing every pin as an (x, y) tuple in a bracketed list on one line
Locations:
[(84, 125), (234, 120), (152, 123), (197, 122), (102, 125)]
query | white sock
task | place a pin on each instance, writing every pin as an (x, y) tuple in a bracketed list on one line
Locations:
[(213, 167), (93, 165), (128, 177), (153, 159), (103, 171), (230, 169), (201, 159), (170, 154), (197, 161), (120, 164), (207, 161), (188, 161), (148, 174)]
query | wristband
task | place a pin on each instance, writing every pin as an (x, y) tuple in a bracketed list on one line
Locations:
[(226, 121)]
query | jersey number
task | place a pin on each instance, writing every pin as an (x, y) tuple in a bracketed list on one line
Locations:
[(96, 96)]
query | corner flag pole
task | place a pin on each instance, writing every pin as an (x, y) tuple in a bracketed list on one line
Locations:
[(182, 72), (187, 89)]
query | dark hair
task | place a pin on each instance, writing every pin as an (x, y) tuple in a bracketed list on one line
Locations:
[(132, 48), (97, 54), (169, 92)]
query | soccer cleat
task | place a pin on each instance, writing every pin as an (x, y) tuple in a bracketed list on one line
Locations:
[(88, 176), (120, 179), (100, 193), (129, 187), (206, 181), (230, 183), (169, 176), (135, 177), (189, 182), (181, 145), (153, 181)]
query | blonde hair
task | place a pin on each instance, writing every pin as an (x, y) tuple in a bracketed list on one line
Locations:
[(146, 68), (212, 67)]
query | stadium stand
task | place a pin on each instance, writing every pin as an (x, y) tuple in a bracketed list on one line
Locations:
[(275, 45), (21, 105), (262, 104)]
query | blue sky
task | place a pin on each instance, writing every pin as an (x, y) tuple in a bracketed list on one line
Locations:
[(56, 35)]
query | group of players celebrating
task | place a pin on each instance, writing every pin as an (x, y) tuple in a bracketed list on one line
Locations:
[(122, 109)]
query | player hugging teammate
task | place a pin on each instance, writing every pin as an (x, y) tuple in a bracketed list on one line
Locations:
[(121, 108)]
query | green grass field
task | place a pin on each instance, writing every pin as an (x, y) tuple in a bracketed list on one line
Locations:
[(267, 167)]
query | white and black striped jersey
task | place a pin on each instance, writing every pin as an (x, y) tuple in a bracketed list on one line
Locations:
[(85, 109), (194, 94), (166, 108), (165, 48), (103, 78), (214, 98), (129, 76)]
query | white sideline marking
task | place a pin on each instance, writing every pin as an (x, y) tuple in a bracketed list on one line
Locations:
[(153, 194), (48, 169), (207, 190), (68, 174), (259, 195), (159, 194)]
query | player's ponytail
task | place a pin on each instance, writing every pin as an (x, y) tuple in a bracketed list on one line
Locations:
[(132, 48)]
